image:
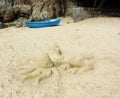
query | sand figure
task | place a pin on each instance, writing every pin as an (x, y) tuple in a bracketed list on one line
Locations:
[(73, 65), (43, 69), (51, 63), (79, 65), (56, 55), (44, 66)]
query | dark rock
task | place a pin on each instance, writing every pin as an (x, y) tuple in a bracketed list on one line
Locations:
[(9, 15), (47, 9), (16, 12), (4, 4), (1, 25), (20, 22)]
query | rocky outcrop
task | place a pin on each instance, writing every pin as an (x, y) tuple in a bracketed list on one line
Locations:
[(30, 10), (13, 13)]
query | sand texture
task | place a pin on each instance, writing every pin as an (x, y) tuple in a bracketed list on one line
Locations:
[(73, 60)]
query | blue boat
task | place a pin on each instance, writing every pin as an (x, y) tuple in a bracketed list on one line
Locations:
[(44, 23)]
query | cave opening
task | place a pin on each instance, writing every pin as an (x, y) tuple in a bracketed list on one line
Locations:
[(112, 4), (107, 7)]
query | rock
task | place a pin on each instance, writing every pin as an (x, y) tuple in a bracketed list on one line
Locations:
[(79, 14), (1, 25), (20, 22), (47, 9), (9, 15), (31, 10), (2, 12), (4, 4), (23, 10)]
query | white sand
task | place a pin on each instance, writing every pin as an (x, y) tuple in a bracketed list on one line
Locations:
[(96, 37)]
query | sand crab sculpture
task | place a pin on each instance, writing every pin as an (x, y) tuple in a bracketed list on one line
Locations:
[(51, 61), (79, 65), (41, 70), (44, 67)]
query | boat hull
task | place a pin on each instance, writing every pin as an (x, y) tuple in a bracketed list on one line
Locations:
[(45, 23)]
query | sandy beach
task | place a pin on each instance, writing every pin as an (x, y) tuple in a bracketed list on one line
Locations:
[(72, 60)]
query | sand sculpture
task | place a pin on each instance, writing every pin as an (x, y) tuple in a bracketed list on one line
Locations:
[(51, 61), (41, 70), (80, 65)]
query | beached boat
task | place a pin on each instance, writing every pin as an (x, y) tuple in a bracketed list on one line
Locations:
[(44, 23)]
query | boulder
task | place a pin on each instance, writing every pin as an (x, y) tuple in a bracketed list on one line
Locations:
[(1, 25)]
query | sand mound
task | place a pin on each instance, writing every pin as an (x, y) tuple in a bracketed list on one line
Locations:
[(73, 60)]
